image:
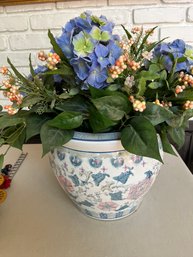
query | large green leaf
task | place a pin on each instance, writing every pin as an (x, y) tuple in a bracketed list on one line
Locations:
[(19, 75), (34, 122), (113, 107), (180, 119), (166, 144), (157, 114), (129, 36), (75, 104), (67, 120), (56, 47), (177, 135), (17, 137), (8, 121), (98, 122), (140, 138), (53, 137)]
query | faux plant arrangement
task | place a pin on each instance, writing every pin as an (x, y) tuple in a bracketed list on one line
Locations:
[(94, 81)]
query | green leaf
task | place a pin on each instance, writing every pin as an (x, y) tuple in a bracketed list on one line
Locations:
[(145, 40), (177, 135), (154, 68), (1, 161), (75, 104), (8, 121), (31, 67), (17, 138), (127, 32), (155, 85), (53, 137), (149, 75), (63, 70), (113, 87), (166, 144), (34, 122), (18, 74), (67, 120), (142, 86), (140, 138), (112, 107), (98, 122), (30, 100), (56, 47), (180, 119), (157, 114), (74, 91), (2, 141), (163, 75)]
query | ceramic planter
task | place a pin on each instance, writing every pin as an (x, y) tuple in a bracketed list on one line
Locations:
[(103, 180)]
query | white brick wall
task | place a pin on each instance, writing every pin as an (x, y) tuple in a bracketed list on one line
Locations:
[(23, 28)]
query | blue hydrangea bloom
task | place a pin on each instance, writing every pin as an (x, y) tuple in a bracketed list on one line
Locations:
[(177, 48), (87, 41)]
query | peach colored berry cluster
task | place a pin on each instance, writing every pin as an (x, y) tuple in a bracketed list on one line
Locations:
[(122, 64), (138, 106), (186, 80), (162, 103), (133, 64), (119, 67), (188, 105), (4, 70), (125, 44), (136, 30), (10, 109), (11, 91), (51, 58)]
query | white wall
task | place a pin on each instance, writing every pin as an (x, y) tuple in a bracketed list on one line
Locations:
[(23, 28)]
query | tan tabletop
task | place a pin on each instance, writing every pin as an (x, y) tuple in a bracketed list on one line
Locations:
[(38, 220)]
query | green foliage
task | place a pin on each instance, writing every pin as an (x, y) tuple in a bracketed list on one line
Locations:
[(139, 97), (139, 137), (53, 137), (67, 120)]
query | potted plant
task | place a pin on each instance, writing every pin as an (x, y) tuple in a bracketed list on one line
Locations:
[(104, 106)]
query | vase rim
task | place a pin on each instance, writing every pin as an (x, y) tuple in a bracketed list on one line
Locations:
[(96, 136)]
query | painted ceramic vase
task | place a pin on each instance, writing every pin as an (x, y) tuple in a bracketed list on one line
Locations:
[(102, 179)]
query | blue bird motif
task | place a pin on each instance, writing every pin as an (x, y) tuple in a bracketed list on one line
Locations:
[(99, 177), (123, 177), (75, 180), (86, 203), (148, 174), (116, 196)]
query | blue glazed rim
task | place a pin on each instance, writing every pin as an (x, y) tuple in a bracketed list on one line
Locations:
[(109, 136)]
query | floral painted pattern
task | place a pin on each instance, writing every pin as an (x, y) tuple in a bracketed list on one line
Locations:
[(104, 185)]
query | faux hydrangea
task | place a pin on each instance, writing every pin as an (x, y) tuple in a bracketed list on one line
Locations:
[(87, 41), (178, 49)]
